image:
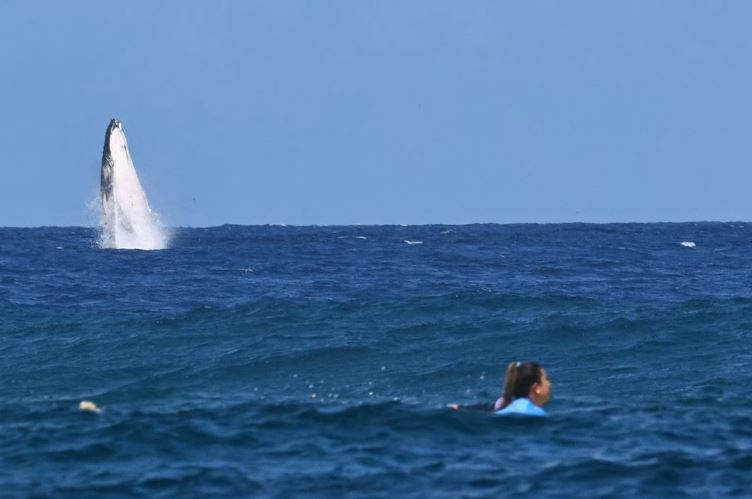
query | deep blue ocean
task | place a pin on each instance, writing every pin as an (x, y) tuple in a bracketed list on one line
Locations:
[(274, 361)]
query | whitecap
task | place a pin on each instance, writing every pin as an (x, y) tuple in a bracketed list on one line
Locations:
[(407, 241), (688, 244)]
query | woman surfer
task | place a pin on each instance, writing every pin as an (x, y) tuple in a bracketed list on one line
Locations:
[(526, 390)]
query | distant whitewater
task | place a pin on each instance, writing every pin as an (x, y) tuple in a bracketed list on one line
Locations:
[(127, 221)]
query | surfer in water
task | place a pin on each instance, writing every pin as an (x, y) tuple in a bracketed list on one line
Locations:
[(526, 390)]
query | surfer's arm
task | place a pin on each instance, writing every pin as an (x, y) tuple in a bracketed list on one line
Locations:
[(474, 407)]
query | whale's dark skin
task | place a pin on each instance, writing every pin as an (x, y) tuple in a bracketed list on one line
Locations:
[(105, 182)]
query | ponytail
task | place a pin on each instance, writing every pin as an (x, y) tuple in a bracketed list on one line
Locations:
[(510, 379), (518, 380)]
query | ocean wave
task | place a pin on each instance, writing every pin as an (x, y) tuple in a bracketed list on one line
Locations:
[(326, 370), (368, 440)]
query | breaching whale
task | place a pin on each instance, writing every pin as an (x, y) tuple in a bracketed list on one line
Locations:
[(127, 221)]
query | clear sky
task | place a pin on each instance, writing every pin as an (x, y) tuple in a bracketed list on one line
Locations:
[(347, 112)]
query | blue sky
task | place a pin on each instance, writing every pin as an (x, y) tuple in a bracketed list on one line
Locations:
[(342, 112)]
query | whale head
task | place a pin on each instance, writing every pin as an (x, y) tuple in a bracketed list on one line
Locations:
[(114, 138)]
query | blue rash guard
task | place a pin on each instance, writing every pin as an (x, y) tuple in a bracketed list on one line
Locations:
[(523, 406)]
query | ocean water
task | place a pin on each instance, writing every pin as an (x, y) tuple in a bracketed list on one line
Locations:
[(274, 361)]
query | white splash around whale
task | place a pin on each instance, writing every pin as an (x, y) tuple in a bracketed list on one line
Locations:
[(127, 221)]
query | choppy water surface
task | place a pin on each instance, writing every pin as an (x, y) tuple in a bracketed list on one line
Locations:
[(316, 361)]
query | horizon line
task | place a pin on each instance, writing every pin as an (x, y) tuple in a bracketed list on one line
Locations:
[(657, 222)]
